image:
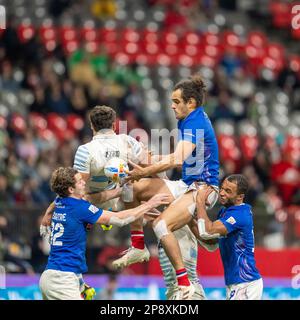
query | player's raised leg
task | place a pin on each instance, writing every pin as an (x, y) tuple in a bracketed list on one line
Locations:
[(178, 214), (143, 190)]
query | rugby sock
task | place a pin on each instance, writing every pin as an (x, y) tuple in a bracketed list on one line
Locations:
[(182, 277), (137, 239)]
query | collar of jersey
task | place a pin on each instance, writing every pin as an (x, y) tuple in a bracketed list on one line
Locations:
[(103, 132), (194, 111)]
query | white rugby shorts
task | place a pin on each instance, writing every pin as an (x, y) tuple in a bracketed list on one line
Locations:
[(245, 291), (178, 188), (60, 285)]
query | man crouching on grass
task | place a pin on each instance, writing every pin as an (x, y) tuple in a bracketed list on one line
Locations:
[(62, 279)]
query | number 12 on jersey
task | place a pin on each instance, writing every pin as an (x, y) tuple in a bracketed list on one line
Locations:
[(57, 230)]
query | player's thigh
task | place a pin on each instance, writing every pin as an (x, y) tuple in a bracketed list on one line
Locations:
[(146, 188), (178, 212)]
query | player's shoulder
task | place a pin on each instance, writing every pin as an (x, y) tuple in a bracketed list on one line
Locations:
[(128, 138), (84, 148), (84, 204), (242, 211)]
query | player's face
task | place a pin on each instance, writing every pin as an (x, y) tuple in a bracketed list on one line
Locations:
[(79, 189), (228, 195), (180, 108)]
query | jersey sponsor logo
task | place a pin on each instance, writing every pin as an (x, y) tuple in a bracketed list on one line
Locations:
[(93, 208), (232, 293), (231, 220), (112, 154)]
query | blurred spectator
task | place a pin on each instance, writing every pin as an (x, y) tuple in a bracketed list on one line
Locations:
[(286, 175), (222, 111), (39, 103), (231, 62), (57, 101), (5, 192), (103, 9), (40, 249), (241, 84), (7, 81)]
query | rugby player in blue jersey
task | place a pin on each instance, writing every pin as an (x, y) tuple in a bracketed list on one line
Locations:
[(197, 153), (234, 230), (62, 279)]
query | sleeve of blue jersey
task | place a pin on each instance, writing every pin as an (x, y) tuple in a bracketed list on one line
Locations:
[(89, 213), (192, 131), (234, 219)]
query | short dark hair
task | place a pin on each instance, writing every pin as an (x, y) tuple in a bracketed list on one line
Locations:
[(192, 87), (62, 179), (102, 117), (241, 181)]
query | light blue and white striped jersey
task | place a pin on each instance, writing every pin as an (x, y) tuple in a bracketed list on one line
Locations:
[(92, 157)]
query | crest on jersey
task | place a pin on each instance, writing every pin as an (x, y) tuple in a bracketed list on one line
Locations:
[(93, 208), (231, 220)]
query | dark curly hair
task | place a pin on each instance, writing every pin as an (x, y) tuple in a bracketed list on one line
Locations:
[(102, 117), (61, 180), (241, 182), (192, 87)]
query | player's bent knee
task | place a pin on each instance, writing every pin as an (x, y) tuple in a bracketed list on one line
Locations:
[(160, 229)]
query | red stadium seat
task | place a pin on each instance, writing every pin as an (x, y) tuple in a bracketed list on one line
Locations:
[(108, 35), (230, 38), (249, 145), (68, 34), (211, 38), (47, 134), (18, 123), (294, 62), (25, 32), (129, 35), (257, 39), (150, 36), (37, 121), (47, 33), (88, 34), (191, 38), (56, 122), (75, 122), (169, 37)]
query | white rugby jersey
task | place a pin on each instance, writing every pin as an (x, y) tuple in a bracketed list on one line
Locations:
[(91, 157)]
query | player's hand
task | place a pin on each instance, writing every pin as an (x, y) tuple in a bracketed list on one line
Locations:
[(159, 199), (88, 293), (137, 173), (202, 195), (152, 214), (46, 220), (45, 232)]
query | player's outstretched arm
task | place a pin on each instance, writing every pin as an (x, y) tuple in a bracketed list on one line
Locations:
[(207, 229), (103, 196), (125, 217), (173, 160), (46, 221)]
